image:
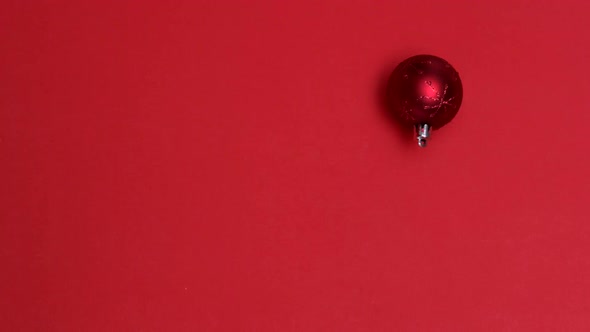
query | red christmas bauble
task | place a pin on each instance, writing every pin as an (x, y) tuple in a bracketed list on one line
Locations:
[(425, 91)]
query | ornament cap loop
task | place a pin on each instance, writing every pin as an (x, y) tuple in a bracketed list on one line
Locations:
[(422, 134)]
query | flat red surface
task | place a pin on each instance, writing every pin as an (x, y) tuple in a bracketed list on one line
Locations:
[(227, 166)]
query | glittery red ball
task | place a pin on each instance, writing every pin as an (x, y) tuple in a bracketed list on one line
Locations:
[(425, 89)]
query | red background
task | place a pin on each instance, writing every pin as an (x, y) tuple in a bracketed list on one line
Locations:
[(227, 166)]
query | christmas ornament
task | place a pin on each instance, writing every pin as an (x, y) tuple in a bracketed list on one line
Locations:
[(425, 92)]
